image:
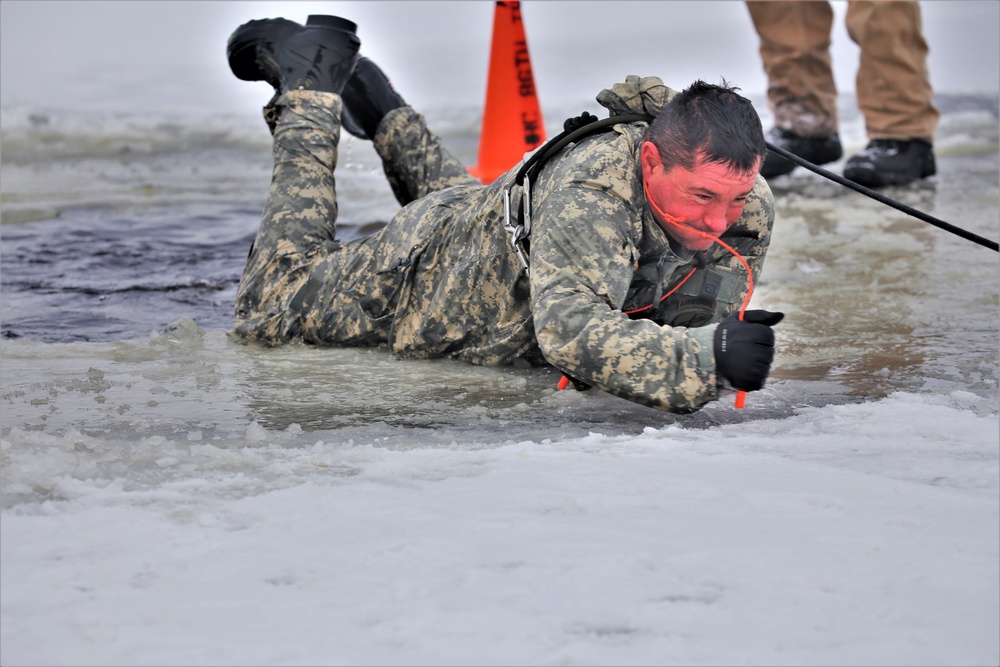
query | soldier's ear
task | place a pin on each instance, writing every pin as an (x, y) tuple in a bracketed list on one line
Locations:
[(650, 157)]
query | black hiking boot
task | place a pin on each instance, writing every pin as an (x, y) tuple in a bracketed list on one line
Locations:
[(368, 97), (891, 162), (818, 150), (317, 56)]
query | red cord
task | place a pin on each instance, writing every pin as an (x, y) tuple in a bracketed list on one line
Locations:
[(676, 287), (741, 396)]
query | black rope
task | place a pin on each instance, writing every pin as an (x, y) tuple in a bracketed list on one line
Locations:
[(879, 197)]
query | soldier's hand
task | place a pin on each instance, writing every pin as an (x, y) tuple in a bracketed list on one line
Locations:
[(576, 123), (744, 349)]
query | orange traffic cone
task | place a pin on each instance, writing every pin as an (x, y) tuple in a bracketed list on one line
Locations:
[(512, 118)]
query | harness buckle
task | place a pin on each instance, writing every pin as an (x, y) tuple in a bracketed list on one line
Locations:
[(519, 232)]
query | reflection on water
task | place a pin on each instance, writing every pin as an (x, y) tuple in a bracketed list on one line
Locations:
[(877, 300)]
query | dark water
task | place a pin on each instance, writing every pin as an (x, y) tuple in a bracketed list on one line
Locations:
[(98, 275), (117, 225)]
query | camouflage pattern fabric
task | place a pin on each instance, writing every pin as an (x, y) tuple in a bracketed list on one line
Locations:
[(441, 278), (438, 280)]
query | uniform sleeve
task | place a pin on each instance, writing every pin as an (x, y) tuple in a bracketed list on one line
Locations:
[(584, 246)]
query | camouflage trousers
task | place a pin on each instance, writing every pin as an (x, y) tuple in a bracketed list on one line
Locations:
[(299, 281)]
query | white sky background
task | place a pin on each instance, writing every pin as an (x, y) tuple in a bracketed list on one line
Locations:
[(103, 53)]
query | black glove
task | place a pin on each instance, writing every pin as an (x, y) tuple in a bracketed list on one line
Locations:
[(575, 123), (744, 349)]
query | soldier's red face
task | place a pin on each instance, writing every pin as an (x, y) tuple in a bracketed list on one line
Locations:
[(695, 206)]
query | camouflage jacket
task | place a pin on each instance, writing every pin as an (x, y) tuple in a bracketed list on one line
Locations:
[(596, 251)]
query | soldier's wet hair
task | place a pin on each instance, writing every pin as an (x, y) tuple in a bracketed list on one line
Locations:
[(708, 122)]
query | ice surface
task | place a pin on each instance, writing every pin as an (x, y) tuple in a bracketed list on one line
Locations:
[(170, 497), (185, 500)]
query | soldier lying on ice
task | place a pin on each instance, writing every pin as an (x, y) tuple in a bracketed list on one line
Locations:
[(630, 288)]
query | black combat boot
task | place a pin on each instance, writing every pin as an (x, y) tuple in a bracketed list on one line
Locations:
[(317, 56), (818, 150), (368, 97), (891, 162)]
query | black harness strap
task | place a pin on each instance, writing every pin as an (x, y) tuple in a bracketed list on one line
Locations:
[(520, 229), (534, 164)]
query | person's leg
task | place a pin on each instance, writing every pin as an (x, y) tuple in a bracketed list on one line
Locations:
[(894, 94), (296, 267), (297, 234), (795, 53), (415, 161), (299, 281), (893, 84)]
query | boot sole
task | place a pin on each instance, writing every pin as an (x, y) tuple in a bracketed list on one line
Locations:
[(243, 43)]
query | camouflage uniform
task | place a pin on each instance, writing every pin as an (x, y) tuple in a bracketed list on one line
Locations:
[(441, 279)]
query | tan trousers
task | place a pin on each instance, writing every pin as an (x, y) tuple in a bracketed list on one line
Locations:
[(893, 85)]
